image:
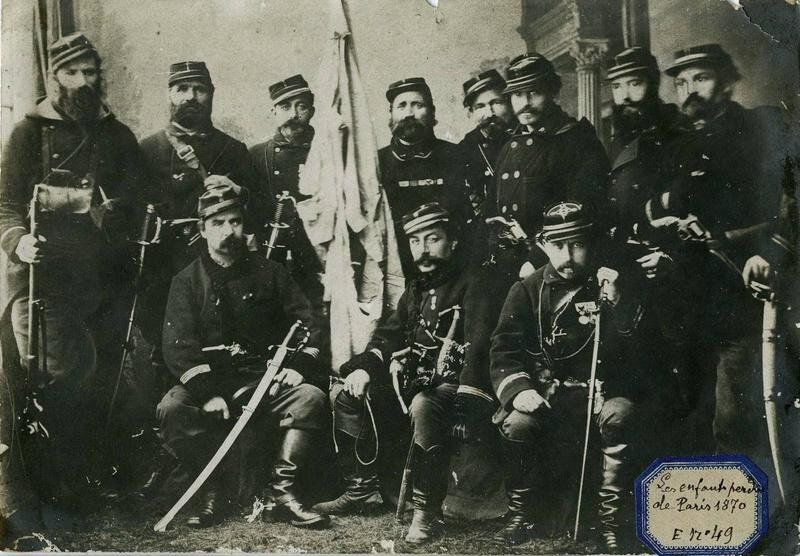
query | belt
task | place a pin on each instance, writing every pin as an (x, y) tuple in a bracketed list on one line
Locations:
[(421, 183)]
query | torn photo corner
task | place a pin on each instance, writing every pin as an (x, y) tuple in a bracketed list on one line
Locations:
[(439, 179)]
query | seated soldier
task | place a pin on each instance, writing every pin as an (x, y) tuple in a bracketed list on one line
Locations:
[(541, 357), (442, 322), (231, 297)]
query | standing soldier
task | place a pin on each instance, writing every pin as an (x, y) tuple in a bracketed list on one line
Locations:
[(180, 160), (278, 164), (541, 356), (489, 107), (216, 343), (643, 125), (716, 188), (441, 328), (84, 167), (552, 157), (417, 167)]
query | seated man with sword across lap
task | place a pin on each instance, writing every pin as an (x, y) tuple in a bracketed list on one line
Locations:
[(224, 312)]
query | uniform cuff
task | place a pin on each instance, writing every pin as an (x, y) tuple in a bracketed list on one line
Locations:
[(9, 241), (512, 385), (369, 361), (198, 381)]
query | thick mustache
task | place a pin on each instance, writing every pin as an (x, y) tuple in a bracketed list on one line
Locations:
[(527, 110)]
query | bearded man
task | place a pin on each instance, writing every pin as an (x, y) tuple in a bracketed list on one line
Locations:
[(70, 147), (446, 380), (718, 172), (490, 109), (278, 164), (417, 167), (182, 160)]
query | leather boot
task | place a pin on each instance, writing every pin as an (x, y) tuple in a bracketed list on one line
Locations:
[(614, 503), (519, 526), (361, 482), (294, 453), (429, 470), (212, 508), (164, 464)]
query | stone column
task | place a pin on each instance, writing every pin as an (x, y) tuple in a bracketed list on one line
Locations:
[(589, 55)]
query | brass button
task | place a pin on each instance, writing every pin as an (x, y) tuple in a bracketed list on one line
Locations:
[(529, 142), (276, 172), (277, 149), (514, 207), (56, 155), (505, 175), (516, 173), (513, 144), (504, 209)]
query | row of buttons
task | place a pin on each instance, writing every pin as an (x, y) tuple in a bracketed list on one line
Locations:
[(505, 174), (528, 142)]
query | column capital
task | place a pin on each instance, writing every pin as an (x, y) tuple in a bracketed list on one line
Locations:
[(589, 53)]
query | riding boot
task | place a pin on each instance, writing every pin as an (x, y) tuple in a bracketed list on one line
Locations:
[(163, 465), (519, 461), (429, 472), (212, 508), (361, 482), (614, 499), (295, 451)]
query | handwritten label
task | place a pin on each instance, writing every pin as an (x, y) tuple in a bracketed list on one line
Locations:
[(701, 505)]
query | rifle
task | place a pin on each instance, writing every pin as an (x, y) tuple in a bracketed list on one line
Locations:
[(143, 242), (274, 366), (277, 224), (36, 361)]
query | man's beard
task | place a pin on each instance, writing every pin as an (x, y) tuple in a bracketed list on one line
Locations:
[(191, 114), (293, 128), (81, 104), (632, 117), (410, 129), (493, 126), (697, 108)]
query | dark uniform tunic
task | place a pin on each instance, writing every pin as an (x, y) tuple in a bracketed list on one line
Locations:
[(423, 316), (85, 279), (481, 154), (718, 173), (278, 164), (418, 174), (211, 306), (637, 166), (561, 160), (174, 189)]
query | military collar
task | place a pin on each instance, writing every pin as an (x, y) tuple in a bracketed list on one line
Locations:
[(554, 122), (480, 139), (177, 130), (403, 151), (304, 142), (45, 109)]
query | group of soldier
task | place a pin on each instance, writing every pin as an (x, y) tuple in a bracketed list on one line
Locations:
[(515, 244)]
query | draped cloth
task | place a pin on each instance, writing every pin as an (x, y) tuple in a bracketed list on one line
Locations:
[(348, 212)]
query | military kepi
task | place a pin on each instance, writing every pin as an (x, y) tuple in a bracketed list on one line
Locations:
[(404, 85), (288, 88), (182, 71), (565, 220), (220, 196), (69, 48), (635, 59), (487, 80), (712, 55), (424, 216), (527, 69)]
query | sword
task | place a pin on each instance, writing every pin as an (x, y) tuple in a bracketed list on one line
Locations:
[(277, 224), (274, 366)]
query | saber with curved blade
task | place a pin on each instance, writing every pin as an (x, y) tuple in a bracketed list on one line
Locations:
[(275, 365), (769, 350)]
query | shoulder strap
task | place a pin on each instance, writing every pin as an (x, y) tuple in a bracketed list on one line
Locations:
[(186, 153), (45, 135)]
